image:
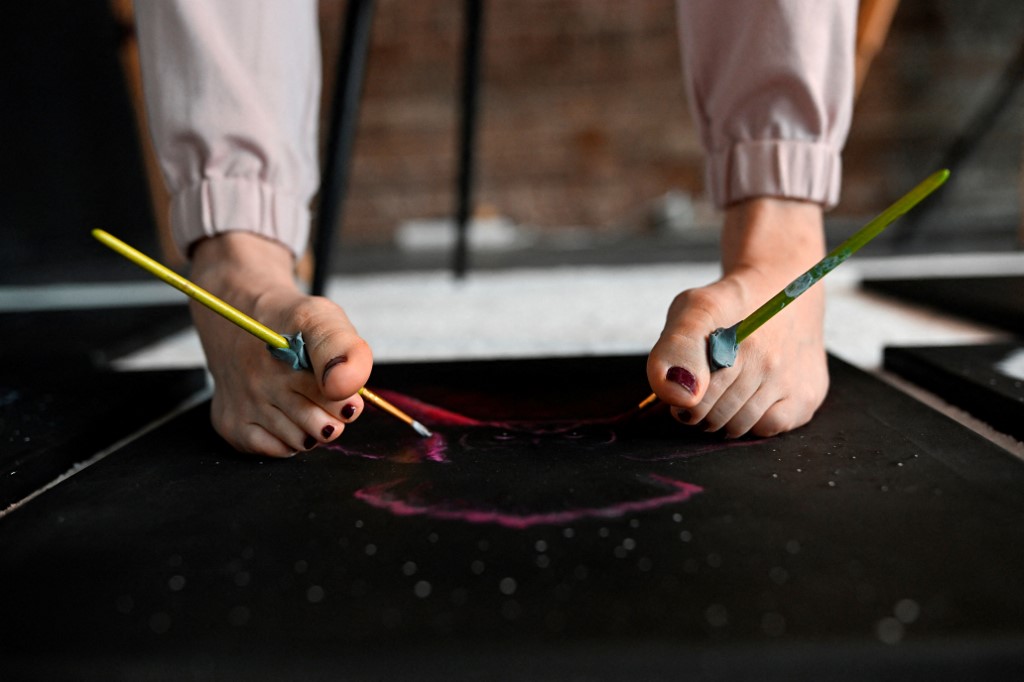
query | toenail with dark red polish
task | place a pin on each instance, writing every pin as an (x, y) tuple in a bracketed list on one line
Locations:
[(348, 411), (327, 431), (684, 416), (331, 364), (680, 376), (309, 442)]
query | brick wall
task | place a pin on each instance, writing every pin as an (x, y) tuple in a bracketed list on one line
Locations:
[(583, 115), (582, 119)]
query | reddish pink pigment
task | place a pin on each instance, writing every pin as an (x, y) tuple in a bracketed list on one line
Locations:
[(483, 439)]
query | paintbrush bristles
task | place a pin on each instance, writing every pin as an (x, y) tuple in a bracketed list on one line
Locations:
[(421, 429)]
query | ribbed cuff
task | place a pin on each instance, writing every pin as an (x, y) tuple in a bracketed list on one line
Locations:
[(810, 171), (216, 206)]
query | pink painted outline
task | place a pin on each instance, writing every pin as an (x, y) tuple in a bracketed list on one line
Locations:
[(376, 496)]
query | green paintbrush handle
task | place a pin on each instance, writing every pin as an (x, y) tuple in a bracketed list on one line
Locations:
[(839, 254), (723, 343)]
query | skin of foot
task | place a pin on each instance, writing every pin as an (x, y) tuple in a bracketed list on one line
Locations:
[(261, 405), (780, 377)]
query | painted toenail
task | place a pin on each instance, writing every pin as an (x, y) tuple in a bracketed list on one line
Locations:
[(682, 377), (348, 411), (327, 431), (309, 442)]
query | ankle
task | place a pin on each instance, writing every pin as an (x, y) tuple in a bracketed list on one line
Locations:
[(242, 266), (772, 238)]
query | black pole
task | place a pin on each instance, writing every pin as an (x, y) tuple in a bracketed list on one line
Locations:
[(348, 89), (467, 133)]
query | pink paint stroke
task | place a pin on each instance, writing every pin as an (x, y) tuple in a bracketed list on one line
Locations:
[(426, 412), (377, 496), (433, 415)]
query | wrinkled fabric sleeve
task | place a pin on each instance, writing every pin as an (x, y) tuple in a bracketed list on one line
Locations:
[(232, 91), (770, 86)]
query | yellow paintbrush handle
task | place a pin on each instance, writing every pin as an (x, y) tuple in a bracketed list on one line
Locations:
[(385, 405), (262, 332), (218, 306)]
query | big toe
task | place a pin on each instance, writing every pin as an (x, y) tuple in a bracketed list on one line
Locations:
[(677, 369), (342, 362)]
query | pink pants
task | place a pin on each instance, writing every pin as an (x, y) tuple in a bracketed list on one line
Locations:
[(233, 87)]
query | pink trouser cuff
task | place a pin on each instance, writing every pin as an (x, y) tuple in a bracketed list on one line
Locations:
[(215, 206), (809, 171)]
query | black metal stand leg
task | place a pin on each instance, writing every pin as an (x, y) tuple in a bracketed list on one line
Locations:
[(467, 133), (348, 91)]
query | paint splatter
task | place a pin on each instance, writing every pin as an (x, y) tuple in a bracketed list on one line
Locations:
[(808, 279), (800, 285)]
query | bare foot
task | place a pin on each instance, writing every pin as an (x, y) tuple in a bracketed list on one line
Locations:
[(260, 404), (780, 377)]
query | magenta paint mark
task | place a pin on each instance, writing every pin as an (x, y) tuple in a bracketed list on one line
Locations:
[(427, 413), (518, 474), (434, 449), (380, 497), (438, 416)]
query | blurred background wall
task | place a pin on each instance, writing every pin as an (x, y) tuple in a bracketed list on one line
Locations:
[(584, 118), (583, 121)]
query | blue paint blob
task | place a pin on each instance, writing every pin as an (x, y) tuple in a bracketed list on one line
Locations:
[(295, 354), (722, 347), (800, 285), (811, 277)]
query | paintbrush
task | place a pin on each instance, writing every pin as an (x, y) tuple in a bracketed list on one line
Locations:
[(290, 348), (724, 343)]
